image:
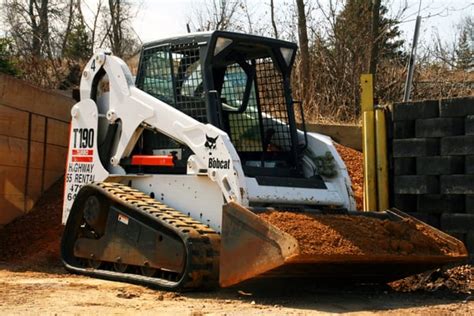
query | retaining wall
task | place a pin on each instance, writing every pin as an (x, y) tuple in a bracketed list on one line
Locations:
[(433, 164), (34, 129), (347, 135)]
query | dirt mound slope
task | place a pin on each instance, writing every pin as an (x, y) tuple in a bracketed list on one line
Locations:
[(356, 235), (458, 279), (354, 161), (35, 237)]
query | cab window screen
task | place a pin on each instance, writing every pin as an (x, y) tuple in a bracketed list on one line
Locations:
[(173, 74)]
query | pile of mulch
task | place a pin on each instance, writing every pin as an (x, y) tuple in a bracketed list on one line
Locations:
[(354, 161), (35, 237), (330, 234), (458, 280)]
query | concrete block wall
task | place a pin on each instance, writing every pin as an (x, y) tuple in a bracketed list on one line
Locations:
[(34, 129), (432, 164)]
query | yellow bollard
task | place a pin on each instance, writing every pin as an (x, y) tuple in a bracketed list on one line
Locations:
[(382, 159), (368, 143)]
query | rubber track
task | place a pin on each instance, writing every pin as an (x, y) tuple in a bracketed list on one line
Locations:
[(201, 242)]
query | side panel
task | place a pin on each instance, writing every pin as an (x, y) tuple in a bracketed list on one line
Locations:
[(83, 164), (290, 195), (196, 196), (320, 144)]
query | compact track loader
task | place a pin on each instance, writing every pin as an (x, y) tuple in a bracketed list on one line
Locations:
[(166, 173)]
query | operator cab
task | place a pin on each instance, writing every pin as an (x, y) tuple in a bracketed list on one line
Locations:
[(239, 83)]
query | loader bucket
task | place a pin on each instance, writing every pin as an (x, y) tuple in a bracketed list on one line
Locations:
[(252, 247)]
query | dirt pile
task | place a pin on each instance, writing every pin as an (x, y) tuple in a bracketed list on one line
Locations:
[(354, 161), (35, 237), (356, 235), (458, 279)]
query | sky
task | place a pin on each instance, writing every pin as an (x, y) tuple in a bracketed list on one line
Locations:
[(160, 18)]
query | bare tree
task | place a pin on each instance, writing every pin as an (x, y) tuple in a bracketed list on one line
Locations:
[(119, 32), (216, 15), (305, 67), (28, 24), (38, 29)]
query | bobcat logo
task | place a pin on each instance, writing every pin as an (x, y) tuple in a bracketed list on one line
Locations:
[(211, 142)]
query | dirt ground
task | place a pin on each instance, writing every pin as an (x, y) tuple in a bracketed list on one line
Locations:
[(33, 281), (49, 289)]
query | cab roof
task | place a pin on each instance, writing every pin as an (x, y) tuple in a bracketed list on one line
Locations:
[(211, 37)]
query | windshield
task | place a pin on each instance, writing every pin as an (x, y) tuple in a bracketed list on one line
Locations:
[(252, 94)]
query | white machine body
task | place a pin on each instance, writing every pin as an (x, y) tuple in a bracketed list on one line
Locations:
[(214, 173)]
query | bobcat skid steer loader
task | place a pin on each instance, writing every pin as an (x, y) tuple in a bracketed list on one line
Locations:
[(166, 173)]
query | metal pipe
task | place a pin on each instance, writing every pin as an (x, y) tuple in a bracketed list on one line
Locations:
[(411, 62)]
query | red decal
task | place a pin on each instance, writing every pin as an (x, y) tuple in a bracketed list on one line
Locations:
[(82, 159), (82, 152)]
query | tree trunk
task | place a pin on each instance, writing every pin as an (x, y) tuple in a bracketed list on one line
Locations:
[(67, 32), (272, 15), (304, 49), (44, 26), (116, 27), (35, 41)]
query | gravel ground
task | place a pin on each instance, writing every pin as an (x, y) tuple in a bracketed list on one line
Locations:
[(50, 290)]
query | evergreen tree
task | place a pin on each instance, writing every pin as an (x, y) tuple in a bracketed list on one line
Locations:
[(78, 46), (7, 66), (351, 46), (353, 32), (464, 52)]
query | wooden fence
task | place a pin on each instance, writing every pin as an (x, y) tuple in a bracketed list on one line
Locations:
[(34, 129)]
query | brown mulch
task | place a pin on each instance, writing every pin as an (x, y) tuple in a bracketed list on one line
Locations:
[(354, 161), (458, 279), (35, 237), (356, 235)]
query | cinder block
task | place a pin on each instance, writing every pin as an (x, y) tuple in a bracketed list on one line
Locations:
[(457, 184), (469, 204), (415, 147), (439, 127), (469, 165), (405, 202), (429, 219), (457, 145), (469, 125), (457, 107), (469, 241), (404, 166), (437, 204), (459, 223), (403, 129), (415, 110), (416, 185), (439, 165)]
